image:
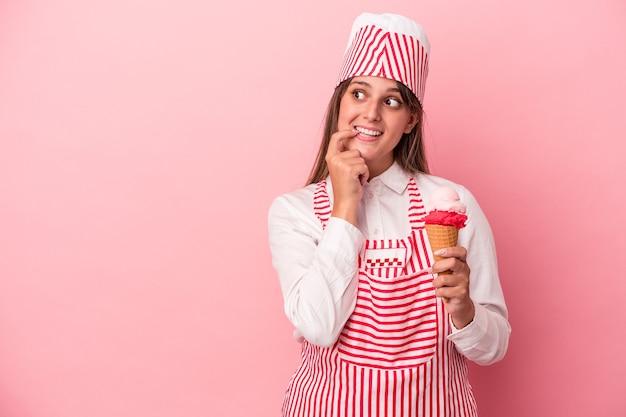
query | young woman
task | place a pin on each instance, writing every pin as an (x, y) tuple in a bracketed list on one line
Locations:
[(358, 278)]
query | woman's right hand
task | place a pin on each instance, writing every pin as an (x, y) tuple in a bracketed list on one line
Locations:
[(348, 172)]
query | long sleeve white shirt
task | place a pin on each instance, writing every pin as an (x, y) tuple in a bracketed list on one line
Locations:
[(318, 267)]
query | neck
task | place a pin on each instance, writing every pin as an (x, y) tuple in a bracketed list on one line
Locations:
[(378, 168)]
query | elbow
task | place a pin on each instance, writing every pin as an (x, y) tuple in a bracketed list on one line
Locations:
[(318, 333), (320, 319), (498, 354), (490, 359), (324, 340), (315, 328)]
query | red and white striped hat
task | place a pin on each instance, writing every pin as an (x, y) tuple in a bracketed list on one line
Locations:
[(389, 46)]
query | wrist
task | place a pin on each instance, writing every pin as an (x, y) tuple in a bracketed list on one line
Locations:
[(464, 318), (347, 212)]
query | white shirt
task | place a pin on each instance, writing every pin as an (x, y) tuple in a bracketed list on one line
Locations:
[(318, 268)]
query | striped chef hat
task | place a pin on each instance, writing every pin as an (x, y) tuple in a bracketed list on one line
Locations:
[(389, 46)]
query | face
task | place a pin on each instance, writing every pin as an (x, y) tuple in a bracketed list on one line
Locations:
[(373, 107)]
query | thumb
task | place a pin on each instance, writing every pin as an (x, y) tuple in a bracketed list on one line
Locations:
[(337, 142)]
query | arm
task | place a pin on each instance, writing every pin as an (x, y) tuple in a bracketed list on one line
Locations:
[(317, 269), (484, 340)]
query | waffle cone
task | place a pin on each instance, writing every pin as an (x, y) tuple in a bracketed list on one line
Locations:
[(440, 237)]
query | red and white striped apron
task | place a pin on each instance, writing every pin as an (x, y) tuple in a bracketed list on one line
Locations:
[(392, 358)]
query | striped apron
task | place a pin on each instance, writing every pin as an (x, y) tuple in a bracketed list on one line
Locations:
[(392, 358)]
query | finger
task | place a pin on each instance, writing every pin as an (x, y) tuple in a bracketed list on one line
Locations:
[(345, 161), (444, 266), (337, 141), (451, 266), (458, 252), (349, 160), (457, 293), (354, 165), (442, 289), (451, 287), (364, 176), (449, 280)]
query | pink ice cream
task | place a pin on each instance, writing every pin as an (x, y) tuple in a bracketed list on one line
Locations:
[(446, 208)]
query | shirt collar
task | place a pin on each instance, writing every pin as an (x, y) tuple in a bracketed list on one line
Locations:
[(395, 178)]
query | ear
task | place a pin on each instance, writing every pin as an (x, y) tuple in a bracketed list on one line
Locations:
[(411, 123)]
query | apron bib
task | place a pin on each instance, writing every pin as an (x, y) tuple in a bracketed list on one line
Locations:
[(392, 357)]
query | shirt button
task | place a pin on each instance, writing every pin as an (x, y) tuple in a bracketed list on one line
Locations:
[(376, 231)]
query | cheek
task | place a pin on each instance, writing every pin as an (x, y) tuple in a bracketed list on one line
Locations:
[(344, 120)]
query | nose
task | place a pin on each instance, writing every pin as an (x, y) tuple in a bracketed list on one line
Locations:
[(372, 111)]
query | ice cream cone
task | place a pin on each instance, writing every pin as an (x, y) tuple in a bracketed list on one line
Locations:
[(446, 215), (441, 236)]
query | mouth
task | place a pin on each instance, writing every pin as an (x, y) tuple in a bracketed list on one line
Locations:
[(367, 134)]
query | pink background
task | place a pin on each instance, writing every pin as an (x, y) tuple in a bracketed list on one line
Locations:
[(141, 143)]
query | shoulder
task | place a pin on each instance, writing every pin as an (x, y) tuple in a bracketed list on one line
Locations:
[(300, 197), (294, 205)]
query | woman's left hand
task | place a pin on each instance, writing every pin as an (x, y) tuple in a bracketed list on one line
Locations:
[(452, 283)]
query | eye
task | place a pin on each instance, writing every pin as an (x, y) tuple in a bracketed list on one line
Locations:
[(393, 102), (358, 94)]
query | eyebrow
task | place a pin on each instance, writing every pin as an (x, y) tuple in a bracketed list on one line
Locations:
[(366, 84)]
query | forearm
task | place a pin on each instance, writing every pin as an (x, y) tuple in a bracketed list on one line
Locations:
[(320, 304), (484, 340), (318, 274)]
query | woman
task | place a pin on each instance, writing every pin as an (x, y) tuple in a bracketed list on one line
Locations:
[(358, 278)]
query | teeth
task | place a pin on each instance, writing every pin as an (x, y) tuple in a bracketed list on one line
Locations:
[(368, 132)]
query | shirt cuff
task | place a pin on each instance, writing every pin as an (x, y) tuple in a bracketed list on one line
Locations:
[(472, 334)]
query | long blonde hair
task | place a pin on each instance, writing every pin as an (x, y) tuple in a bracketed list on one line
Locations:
[(409, 152)]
